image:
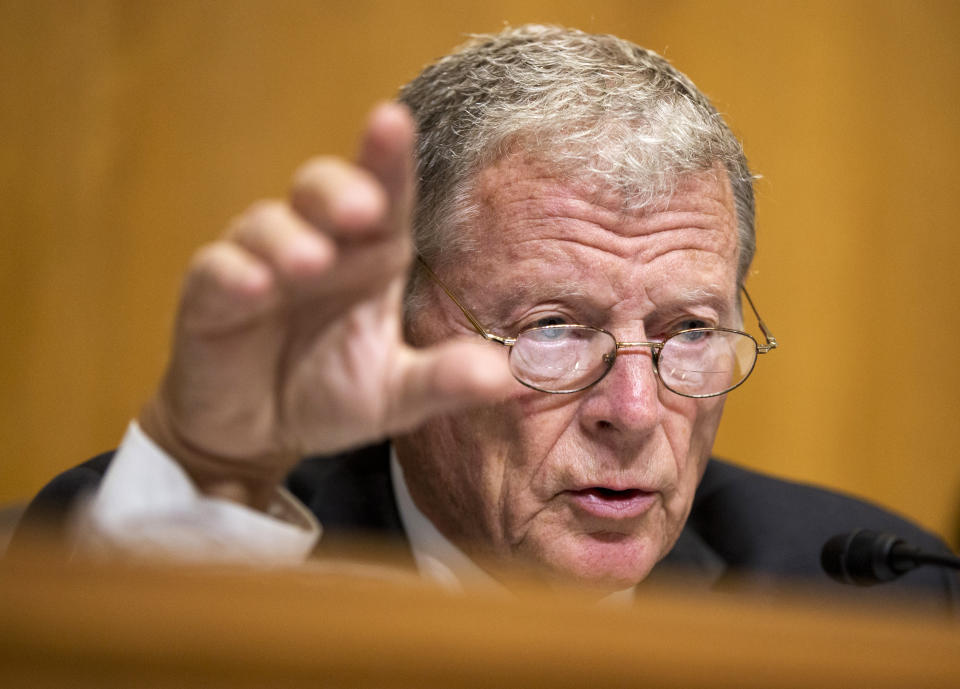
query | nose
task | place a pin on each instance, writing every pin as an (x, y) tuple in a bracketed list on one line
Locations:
[(624, 406)]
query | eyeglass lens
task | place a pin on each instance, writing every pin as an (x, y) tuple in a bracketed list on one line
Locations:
[(561, 358), (568, 358)]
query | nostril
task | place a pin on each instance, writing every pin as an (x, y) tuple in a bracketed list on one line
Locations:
[(604, 425)]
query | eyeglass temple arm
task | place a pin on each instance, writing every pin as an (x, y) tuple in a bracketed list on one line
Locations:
[(486, 334), (771, 340)]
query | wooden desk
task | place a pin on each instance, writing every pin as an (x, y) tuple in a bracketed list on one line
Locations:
[(89, 625)]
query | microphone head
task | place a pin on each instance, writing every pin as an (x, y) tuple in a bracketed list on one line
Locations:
[(862, 557)]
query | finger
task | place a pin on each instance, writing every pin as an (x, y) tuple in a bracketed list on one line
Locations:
[(292, 247), (448, 377), (341, 199), (387, 150), (225, 287)]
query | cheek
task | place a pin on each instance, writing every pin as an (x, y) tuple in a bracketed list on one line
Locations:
[(538, 422), (517, 451), (512, 444), (705, 432), (690, 427), (481, 471)]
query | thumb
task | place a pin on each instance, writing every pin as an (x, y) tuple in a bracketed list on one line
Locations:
[(451, 376)]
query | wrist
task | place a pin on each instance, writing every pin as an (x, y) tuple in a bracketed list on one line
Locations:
[(250, 481)]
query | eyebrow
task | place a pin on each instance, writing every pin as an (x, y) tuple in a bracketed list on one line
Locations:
[(708, 293), (532, 292), (712, 295)]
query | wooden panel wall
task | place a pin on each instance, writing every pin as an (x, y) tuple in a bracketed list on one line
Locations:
[(133, 131)]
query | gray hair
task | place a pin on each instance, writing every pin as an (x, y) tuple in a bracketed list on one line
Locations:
[(587, 104)]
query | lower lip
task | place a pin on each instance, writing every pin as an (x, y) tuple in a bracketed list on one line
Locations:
[(621, 504)]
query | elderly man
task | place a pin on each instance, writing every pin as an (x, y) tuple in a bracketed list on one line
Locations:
[(531, 290)]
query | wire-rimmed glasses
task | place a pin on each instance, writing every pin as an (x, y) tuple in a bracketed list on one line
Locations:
[(567, 358)]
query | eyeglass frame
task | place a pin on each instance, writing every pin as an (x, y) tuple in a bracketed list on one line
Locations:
[(610, 359)]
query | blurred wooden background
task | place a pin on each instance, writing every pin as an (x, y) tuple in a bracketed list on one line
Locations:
[(133, 130)]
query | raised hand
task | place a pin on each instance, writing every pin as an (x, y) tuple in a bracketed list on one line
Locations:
[(288, 338)]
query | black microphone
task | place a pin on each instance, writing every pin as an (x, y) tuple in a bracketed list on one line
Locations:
[(864, 557)]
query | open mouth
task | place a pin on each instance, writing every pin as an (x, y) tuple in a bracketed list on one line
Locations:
[(611, 494), (599, 501)]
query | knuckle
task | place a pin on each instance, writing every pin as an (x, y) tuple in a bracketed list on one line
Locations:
[(332, 192), (208, 259), (315, 171), (256, 221), (264, 213), (223, 267)]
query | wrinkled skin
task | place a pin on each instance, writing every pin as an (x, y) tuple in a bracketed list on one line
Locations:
[(288, 342), (506, 482), (288, 338)]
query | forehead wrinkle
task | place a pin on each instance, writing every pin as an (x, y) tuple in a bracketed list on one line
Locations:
[(553, 253), (572, 199), (627, 237), (673, 231), (554, 209), (529, 216), (697, 274), (600, 288)]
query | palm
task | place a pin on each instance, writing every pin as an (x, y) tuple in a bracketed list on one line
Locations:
[(289, 338), (339, 388)]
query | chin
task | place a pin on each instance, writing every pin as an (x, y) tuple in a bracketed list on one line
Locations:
[(605, 561)]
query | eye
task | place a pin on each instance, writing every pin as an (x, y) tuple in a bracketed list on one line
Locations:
[(690, 324), (547, 320), (695, 336), (688, 337), (542, 331)]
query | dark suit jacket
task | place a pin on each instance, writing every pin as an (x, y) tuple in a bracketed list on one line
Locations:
[(745, 529)]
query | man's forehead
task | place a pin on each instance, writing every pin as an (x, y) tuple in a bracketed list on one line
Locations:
[(521, 210), (525, 216), (524, 176), (538, 239)]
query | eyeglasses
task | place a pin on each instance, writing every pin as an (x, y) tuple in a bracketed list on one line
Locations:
[(562, 359)]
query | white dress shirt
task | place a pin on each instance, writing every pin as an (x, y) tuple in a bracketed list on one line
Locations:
[(148, 505)]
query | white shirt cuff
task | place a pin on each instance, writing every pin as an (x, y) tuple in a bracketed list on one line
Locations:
[(147, 505)]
